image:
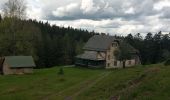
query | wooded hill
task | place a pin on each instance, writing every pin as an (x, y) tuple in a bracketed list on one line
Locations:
[(51, 45)]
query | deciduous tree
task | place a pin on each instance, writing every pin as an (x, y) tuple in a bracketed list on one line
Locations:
[(15, 8)]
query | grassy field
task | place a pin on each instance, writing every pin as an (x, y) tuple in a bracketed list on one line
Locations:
[(139, 83)]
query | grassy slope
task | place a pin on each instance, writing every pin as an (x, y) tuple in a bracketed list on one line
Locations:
[(141, 83)]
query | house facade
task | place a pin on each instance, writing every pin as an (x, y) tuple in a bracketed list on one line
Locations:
[(16, 65), (99, 52)]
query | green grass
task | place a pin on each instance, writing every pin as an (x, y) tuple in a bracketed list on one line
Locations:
[(150, 82)]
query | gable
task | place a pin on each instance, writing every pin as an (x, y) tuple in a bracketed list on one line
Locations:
[(20, 61)]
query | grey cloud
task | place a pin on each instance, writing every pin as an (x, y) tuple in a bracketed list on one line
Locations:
[(165, 13), (104, 9), (110, 16)]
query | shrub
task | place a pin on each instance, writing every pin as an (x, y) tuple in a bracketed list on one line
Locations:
[(61, 71), (167, 63)]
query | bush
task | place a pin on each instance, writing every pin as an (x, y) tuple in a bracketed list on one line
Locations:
[(61, 71), (167, 63)]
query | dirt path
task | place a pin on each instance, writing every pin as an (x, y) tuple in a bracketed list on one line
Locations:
[(81, 87), (87, 86)]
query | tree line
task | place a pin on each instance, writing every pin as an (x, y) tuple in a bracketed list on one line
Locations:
[(153, 48), (50, 45)]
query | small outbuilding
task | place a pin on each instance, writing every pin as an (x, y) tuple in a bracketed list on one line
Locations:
[(16, 65)]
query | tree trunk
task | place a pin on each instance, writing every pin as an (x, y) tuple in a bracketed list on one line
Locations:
[(1, 65), (124, 64)]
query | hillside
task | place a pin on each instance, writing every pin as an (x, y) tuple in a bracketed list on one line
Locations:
[(140, 83)]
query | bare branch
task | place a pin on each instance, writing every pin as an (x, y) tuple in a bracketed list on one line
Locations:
[(15, 8)]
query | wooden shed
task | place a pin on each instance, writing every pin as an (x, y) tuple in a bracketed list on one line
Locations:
[(16, 65)]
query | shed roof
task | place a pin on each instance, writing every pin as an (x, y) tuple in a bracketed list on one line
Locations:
[(99, 42), (20, 61), (88, 55)]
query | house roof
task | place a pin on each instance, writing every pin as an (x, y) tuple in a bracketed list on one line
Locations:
[(20, 61), (99, 42), (102, 43), (88, 55)]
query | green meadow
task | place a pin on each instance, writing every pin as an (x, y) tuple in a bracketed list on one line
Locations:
[(150, 82)]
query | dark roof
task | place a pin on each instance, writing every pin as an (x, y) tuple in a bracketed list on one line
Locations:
[(99, 42), (102, 43), (20, 61), (88, 55)]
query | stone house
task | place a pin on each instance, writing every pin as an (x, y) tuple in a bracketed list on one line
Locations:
[(16, 65), (99, 52)]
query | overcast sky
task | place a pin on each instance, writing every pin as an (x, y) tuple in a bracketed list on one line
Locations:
[(109, 16)]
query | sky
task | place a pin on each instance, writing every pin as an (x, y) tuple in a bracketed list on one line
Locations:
[(105, 16)]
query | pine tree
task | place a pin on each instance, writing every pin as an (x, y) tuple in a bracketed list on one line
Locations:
[(0, 18)]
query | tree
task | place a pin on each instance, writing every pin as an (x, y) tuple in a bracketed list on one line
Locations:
[(15, 8), (130, 38), (149, 37), (0, 18), (166, 54), (123, 53), (138, 36), (61, 71), (148, 49), (158, 47)]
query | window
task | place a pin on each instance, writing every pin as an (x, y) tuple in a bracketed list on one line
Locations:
[(108, 57), (108, 65), (115, 63), (129, 62)]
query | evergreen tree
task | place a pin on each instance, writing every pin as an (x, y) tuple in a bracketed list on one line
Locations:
[(0, 18)]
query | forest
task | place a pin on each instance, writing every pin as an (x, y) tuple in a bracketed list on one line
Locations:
[(49, 44), (153, 48), (52, 45)]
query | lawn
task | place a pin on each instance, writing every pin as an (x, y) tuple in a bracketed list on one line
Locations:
[(140, 83)]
